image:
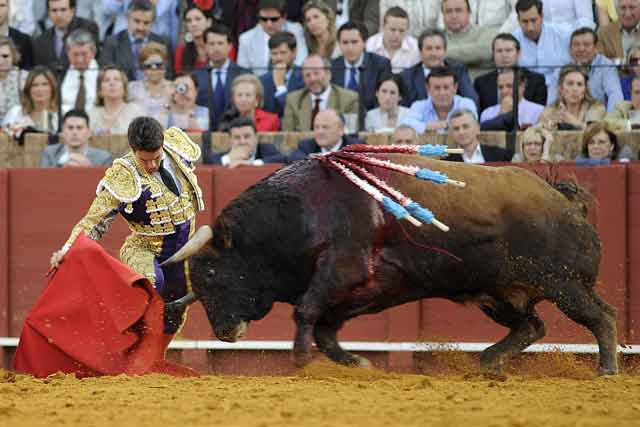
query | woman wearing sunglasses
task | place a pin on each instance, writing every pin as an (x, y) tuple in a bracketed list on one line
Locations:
[(633, 68), (153, 92)]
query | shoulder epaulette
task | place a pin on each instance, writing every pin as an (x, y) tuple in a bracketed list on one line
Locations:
[(179, 142), (122, 181)]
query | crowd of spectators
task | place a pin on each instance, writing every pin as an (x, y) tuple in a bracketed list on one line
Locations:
[(334, 67)]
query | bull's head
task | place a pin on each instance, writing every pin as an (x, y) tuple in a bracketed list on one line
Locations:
[(223, 283)]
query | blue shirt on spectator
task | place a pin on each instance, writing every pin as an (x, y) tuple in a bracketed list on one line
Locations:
[(424, 112), (550, 52)]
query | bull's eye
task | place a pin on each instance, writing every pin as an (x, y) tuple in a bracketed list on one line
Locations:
[(242, 277), (211, 272)]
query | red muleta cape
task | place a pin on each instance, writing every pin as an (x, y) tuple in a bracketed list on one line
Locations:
[(95, 317)]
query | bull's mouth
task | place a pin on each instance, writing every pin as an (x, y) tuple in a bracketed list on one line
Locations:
[(234, 334)]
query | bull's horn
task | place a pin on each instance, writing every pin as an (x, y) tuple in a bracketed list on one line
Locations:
[(197, 241)]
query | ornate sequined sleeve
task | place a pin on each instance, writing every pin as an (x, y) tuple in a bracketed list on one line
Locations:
[(97, 220)]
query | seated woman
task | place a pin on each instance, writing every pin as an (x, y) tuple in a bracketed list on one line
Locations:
[(246, 98), (183, 111), (11, 77), (534, 144), (320, 29), (626, 115), (153, 91), (192, 54), (112, 114), (632, 62), (38, 108), (389, 92), (574, 106), (600, 145)]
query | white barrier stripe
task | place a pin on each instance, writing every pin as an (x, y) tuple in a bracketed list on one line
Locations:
[(470, 347)]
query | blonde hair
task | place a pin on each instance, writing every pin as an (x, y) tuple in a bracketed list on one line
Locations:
[(101, 76), (152, 48), (327, 11), (15, 53), (251, 79), (547, 140)]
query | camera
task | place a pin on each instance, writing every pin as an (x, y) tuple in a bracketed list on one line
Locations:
[(182, 88)]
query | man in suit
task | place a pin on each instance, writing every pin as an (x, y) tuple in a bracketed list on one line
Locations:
[(20, 39), (74, 150), (123, 48), (214, 83), (615, 39), (506, 51), (78, 84), (328, 136), (317, 95), (356, 69), (433, 49), (253, 49), (245, 149), (465, 130), (284, 76), (50, 47), (166, 23)]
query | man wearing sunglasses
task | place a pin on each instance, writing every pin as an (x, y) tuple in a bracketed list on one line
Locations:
[(253, 48), (123, 48)]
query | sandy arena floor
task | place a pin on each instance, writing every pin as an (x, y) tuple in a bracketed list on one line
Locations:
[(323, 394)]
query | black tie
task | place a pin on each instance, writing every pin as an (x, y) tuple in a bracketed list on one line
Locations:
[(168, 180)]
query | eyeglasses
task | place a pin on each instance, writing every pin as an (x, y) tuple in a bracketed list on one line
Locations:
[(153, 65), (634, 60), (269, 18)]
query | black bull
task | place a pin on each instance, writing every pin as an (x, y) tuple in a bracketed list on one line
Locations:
[(308, 237)]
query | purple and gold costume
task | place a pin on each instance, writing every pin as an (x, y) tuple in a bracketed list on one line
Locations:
[(160, 222)]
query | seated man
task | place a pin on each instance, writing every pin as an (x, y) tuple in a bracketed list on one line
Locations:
[(500, 116), (74, 150), (394, 42), (506, 51), (604, 83), (404, 135), (433, 49), (253, 48), (467, 42), (328, 136), (616, 38), (317, 95), (284, 77), (356, 69), (245, 149), (432, 114), (465, 130)]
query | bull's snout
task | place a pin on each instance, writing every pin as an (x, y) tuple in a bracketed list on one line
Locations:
[(234, 333)]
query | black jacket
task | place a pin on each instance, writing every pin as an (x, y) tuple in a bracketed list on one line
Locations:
[(44, 50), (23, 44), (373, 66), (309, 146), (490, 153), (487, 87)]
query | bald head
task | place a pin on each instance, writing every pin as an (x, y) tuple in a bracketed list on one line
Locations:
[(328, 128)]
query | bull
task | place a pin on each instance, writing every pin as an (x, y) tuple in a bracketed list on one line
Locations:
[(308, 237)]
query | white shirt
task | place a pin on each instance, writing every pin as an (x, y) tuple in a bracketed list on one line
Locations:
[(333, 149), (65, 154), (226, 160), (71, 84), (406, 57), (349, 69), (574, 13), (324, 99), (344, 16), (168, 165), (476, 157)]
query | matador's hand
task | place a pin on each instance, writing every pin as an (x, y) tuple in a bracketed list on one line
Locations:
[(57, 257)]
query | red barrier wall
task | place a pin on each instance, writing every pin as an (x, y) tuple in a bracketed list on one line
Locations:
[(39, 207)]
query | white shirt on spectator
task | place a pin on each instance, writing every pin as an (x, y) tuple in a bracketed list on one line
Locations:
[(406, 57), (574, 13), (476, 157), (70, 86)]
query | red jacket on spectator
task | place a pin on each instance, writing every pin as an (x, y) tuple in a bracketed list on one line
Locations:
[(267, 122), (199, 63)]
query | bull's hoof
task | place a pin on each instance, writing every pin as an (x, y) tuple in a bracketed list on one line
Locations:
[(302, 359), (608, 371), (362, 362)]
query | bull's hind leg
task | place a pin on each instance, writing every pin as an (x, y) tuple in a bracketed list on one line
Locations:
[(325, 335), (584, 306), (525, 328)]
